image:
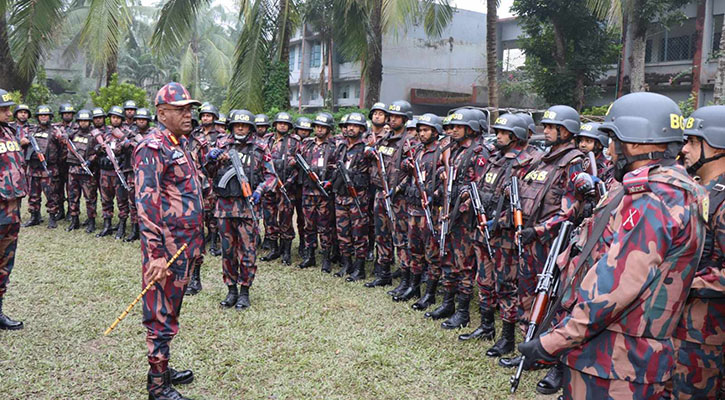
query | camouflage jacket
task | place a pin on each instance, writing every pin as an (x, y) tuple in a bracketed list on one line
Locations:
[(621, 324), (704, 318), (321, 158), (49, 141), (87, 146), (12, 175), (168, 197), (428, 157), (282, 151)]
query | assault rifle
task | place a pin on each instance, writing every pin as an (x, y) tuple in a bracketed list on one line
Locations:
[(451, 176), (111, 156), (313, 176), (348, 182), (243, 181), (418, 178), (37, 151), (72, 148), (278, 181), (481, 216)]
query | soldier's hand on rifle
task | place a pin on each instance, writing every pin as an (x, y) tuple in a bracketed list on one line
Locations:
[(256, 197), (326, 184), (87, 163), (528, 235), (24, 142), (157, 270), (213, 154), (370, 152), (533, 351), (465, 205)]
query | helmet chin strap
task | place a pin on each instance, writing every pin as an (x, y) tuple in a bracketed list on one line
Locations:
[(558, 140), (692, 169), (512, 141), (621, 167)]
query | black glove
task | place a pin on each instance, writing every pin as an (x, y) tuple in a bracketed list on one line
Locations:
[(528, 235), (534, 351)]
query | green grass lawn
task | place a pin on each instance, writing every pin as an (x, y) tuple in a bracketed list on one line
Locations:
[(308, 335)]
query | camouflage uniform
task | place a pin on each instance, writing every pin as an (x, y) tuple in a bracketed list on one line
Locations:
[(49, 141), (352, 223), (616, 339), (110, 185), (128, 146), (79, 181), (170, 215), (318, 210)]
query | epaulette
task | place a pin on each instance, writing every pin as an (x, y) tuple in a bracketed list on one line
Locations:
[(151, 143), (202, 140), (308, 139), (637, 181)]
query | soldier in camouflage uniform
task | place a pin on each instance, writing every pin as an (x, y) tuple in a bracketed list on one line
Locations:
[(67, 126), (461, 253), (221, 124), (142, 119), (497, 276), (283, 146), (303, 129), (700, 335), (377, 118), (129, 112), (350, 205), (21, 123), (237, 210), (616, 340), (170, 215), (262, 122), (422, 242), (318, 152), (590, 139), (79, 180), (128, 146), (49, 143), (14, 184), (110, 185)]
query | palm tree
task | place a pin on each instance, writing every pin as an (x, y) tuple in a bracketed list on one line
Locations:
[(492, 55), (28, 29), (719, 91)]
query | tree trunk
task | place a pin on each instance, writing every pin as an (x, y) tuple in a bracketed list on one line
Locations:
[(111, 67), (283, 29), (10, 79), (622, 57), (375, 60), (579, 92), (697, 57), (331, 106), (719, 91), (559, 46), (492, 57), (639, 46)]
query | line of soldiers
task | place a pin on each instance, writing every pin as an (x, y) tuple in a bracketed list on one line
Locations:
[(637, 311)]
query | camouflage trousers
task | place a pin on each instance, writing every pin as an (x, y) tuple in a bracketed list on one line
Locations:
[(300, 215), (459, 263), (581, 386), (239, 250), (278, 216), (62, 184), (371, 217), (352, 226), (422, 248), (318, 213), (161, 308), (385, 240), (497, 279), (534, 259), (37, 186), (211, 222), (110, 188), (131, 196), (8, 244), (400, 236), (86, 184), (697, 370)]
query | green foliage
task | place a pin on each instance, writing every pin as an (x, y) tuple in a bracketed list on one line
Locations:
[(688, 106), (589, 48), (596, 111), (275, 87), (116, 93), (38, 93), (17, 97)]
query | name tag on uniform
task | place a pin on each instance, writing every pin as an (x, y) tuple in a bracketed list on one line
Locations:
[(320, 162), (41, 135), (113, 145)]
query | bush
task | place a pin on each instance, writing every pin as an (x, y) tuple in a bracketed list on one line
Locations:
[(38, 93), (116, 93), (596, 111)]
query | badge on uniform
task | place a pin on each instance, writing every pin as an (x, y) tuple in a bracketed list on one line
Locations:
[(481, 161), (178, 157), (632, 218)]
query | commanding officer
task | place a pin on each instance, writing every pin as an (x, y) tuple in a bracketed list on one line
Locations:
[(236, 204), (110, 184), (170, 213), (700, 334), (318, 209), (49, 145), (350, 183), (12, 176), (640, 262), (420, 186), (283, 147), (79, 180), (497, 275)]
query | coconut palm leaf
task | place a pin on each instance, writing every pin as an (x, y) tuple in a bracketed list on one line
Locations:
[(104, 29), (176, 21), (35, 24), (250, 58)]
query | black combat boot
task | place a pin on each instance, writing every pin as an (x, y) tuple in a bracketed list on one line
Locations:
[(107, 228), (413, 289), (183, 377), (358, 271), (326, 264), (134, 235), (335, 255), (274, 252), (345, 266), (60, 215), (486, 331), (217, 243), (74, 223), (506, 343), (370, 256), (6, 323), (121, 231), (160, 388), (266, 243), (34, 219), (429, 298), (509, 362), (213, 242), (383, 278), (552, 381), (232, 296), (402, 286), (397, 273), (446, 309), (91, 225), (309, 259), (286, 245), (461, 317), (52, 221), (301, 249), (194, 286), (243, 300)]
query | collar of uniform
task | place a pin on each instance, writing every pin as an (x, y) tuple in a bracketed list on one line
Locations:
[(170, 136), (552, 154)]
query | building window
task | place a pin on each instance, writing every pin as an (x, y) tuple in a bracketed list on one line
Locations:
[(345, 92), (716, 41), (313, 94), (357, 91), (316, 55), (648, 51), (676, 48), (513, 59), (292, 54)]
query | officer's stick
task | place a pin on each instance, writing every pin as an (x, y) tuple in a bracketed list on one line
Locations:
[(143, 292)]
